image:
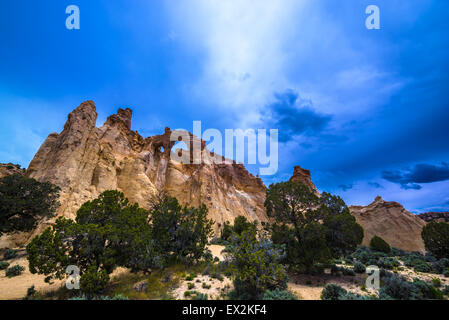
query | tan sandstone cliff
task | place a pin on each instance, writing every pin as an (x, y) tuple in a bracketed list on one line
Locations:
[(85, 161), (390, 221)]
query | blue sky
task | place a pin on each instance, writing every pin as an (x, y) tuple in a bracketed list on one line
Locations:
[(365, 110)]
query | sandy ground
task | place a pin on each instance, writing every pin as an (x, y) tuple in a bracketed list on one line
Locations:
[(216, 251), (214, 292), (16, 287), (307, 287)]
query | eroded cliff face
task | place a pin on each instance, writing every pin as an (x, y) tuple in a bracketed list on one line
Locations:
[(434, 216), (85, 161), (304, 176), (391, 222)]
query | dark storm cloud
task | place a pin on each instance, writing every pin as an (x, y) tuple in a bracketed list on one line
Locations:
[(346, 187), (294, 116), (375, 185), (420, 173)]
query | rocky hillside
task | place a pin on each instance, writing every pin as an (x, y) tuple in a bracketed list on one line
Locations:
[(85, 161), (7, 169), (390, 221), (435, 216)]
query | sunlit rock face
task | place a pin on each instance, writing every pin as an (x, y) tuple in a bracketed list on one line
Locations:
[(391, 222), (85, 161), (7, 169)]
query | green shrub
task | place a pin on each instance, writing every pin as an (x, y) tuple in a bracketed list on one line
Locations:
[(445, 291), (379, 244), (14, 271), (359, 267), (333, 292), (277, 294), (206, 286), (24, 201), (9, 254), (190, 285), (31, 291), (348, 272), (200, 296), (93, 282), (423, 267), (436, 238), (116, 297), (426, 291), (398, 288), (387, 263), (187, 294), (436, 282), (191, 276), (256, 267), (4, 265)]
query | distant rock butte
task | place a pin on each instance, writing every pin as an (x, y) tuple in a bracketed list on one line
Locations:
[(391, 222), (303, 176), (435, 216), (85, 161)]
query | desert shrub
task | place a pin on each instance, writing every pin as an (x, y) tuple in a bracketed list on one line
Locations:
[(436, 238), (333, 292), (108, 232), (441, 265), (31, 291), (180, 233), (190, 285), (359, 267), (4, 265), (256, 266), (388, 263), (206, 286), (14, 271), (116, 297), (426, 291), (348, 272), (379, 244), (436, 282), (277, 294), (423, 267), (93, 282), (397, 252), (326, 231), (200, 296), (445, 291), (398, 288), (191, 276), (23, 201), (335, 269), (9, 254)]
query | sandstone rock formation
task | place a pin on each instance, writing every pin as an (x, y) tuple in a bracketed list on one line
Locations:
[(303, 176), (7, 169), (435, 216), (85, 161), (390, 221)]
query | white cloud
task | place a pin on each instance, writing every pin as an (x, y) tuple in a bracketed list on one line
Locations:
[(244, 44)]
